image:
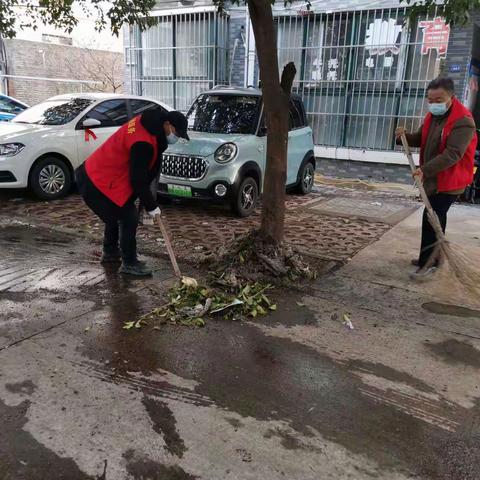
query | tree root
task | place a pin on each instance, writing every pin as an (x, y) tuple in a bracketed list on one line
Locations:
[(255, 257)]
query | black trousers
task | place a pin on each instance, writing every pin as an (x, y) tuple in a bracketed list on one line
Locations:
[(120, 222), (441, 203)]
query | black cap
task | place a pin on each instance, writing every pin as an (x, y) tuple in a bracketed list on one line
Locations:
[(180, 122), (153, 120)]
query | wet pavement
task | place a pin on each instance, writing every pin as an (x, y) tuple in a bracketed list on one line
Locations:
[(296, 395)]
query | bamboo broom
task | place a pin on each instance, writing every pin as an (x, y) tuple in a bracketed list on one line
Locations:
[(466, 271)]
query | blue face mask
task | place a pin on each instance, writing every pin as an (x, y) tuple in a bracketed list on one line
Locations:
[(438, 109), (172, 138)]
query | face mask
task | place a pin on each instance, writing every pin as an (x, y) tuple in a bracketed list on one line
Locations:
[(437, 109), (172, 138)]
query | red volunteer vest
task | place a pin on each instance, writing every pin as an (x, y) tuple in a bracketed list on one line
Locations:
[(459, 175), (108, 167)]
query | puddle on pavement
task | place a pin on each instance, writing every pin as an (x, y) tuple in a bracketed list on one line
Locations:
[(388, 373), (142, 468), (165, 424), (22, 456), (454, 310), (455, 352), (25, 234), (27, 387)]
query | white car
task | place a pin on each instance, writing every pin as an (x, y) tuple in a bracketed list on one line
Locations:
[(42, 146)]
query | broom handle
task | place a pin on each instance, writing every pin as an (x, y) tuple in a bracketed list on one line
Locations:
[(166, 239), (413, 167), (434, 221)]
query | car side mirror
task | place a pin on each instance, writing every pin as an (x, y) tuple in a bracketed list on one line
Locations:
[(262, 132), (91, 122)]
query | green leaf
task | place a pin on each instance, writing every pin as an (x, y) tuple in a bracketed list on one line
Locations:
[(128, 325), (261, 310), (273, 307), (199, 322)]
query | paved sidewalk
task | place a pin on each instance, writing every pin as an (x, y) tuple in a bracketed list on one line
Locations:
[(330, 224)]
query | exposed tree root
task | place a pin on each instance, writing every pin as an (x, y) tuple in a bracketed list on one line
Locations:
[(255, 258)]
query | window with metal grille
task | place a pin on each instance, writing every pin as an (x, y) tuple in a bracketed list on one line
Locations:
[(179, 57), (362, 73)]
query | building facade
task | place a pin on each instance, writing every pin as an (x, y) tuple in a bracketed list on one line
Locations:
[(362, 66)]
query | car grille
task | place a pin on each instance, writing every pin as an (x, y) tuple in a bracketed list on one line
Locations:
[(183, 167)]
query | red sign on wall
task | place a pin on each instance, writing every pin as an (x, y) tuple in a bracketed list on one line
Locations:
[(435, 36)]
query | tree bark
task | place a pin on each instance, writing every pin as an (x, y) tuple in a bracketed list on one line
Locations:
[(276, 106)]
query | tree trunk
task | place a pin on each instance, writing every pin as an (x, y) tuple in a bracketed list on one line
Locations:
[(276, 106)]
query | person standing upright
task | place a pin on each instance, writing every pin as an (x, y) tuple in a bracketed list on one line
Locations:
[(447, 142)]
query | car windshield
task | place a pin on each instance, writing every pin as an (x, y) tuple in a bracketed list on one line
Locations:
[(224, 114), (53, 112)]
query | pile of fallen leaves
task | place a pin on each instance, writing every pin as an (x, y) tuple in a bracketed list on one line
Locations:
[(190, 304), (241, 274), (253, 257)]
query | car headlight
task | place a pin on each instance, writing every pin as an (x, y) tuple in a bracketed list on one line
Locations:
[(226, 153), (10, 149)]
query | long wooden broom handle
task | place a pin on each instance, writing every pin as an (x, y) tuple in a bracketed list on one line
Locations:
[(413, 167), (166, 239), (432, 216)]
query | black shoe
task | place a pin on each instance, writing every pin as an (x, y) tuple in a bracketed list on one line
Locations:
[(138, 269), (109, 257)]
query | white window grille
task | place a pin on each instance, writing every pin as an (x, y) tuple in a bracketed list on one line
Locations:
[(180, 56), (360, 73)]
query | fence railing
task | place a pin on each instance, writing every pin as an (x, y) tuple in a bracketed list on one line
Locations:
[(180, 56)]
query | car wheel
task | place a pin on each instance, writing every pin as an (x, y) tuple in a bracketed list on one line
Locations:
[(307, 178), (50, 178), (246, 198)]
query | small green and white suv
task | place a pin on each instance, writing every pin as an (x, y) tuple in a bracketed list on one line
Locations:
[(224, 160)]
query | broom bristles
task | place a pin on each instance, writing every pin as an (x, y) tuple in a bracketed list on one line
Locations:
[(465, 269)]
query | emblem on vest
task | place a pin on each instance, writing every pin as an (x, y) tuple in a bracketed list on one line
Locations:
[(131, 127)]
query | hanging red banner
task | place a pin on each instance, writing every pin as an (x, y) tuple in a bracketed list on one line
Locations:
[(435, 36)]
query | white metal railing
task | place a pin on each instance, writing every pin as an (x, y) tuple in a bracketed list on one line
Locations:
[(183, 54), (362, 73)]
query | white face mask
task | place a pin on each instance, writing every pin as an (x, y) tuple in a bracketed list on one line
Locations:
[(438, 109), (172, 138)]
